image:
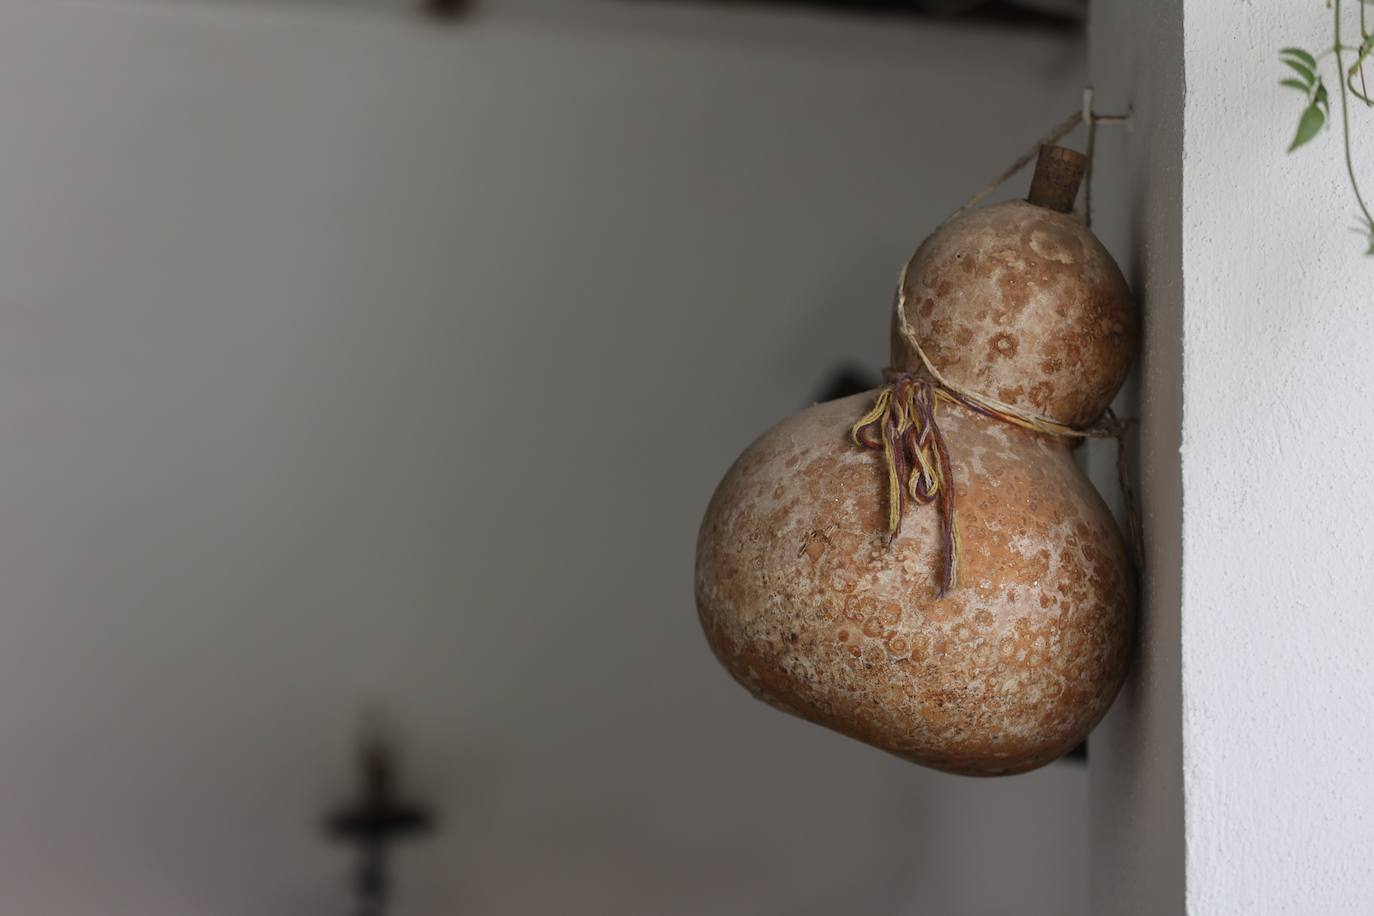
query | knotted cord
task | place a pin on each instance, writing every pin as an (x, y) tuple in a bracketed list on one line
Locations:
[(902, 423), (903, 420)]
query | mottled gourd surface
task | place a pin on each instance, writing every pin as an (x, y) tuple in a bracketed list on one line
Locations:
[(808, 607), (1022, 304)]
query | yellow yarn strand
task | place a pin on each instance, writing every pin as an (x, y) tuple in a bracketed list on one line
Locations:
[(903, 423)]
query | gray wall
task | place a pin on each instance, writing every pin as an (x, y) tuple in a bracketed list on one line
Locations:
[(350, 361), (1136, 768)]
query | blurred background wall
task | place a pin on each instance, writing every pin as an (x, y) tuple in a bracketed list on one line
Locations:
[(351, 360)]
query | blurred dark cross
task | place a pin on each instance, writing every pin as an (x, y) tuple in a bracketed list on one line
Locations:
[(375, 821)]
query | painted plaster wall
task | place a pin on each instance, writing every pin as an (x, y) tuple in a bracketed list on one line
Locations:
[(346, 359), (1135, 765), (1278, 579), (1263, 653)]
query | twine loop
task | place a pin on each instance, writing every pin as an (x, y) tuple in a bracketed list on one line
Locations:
[(903, 424)]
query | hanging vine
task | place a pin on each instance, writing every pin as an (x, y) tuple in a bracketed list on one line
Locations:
[(1316, 110)]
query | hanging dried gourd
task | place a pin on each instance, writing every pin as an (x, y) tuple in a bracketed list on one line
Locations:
[(924, 568)]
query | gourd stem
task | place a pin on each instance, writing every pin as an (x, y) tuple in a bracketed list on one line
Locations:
[(1058, 173)]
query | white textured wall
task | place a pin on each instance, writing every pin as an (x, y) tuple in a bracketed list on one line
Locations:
[(1278, 579), (1261, 658), (348, 359), (1135, 768)]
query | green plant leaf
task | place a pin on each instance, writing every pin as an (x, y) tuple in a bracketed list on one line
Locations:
[(1321, 98), (1367, 231), (1301, 55), (1305, 72), (1308, 125), (1295, 83)]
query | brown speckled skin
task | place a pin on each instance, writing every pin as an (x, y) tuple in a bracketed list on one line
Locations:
[(807, 608), (804, 605), (1025, 305)]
